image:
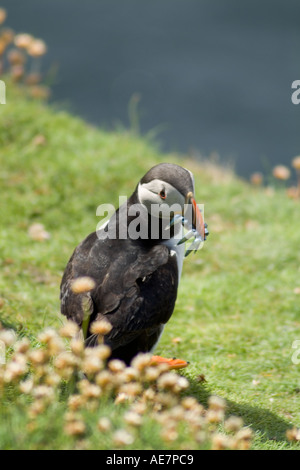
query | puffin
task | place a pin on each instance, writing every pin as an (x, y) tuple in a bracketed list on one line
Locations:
[(135, 260)]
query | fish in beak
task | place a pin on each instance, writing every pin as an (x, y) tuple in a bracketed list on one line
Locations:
[(193, 221)]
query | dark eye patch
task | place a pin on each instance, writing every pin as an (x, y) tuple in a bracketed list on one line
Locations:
[(163, 194)]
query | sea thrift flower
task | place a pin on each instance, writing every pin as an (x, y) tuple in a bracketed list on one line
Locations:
[(189, 403), (101, 327), (23, 41), (130, 374), (169, 434), (102, 351), (77, 347), (257, 179), (132, 418), (243, 439), (214, 416), (149, 395), (15, 57), (69, 330), (47, 335), (33, 79), (121, 398), (167, 380), (216, 403), (17, 72), (90, 391), (83, 284), (139, 407), (293, 434), (54, 343), (14, 370), (116, 366), (3, 15), (37, 232), (281, 172), (104, 424), (141, 361), (40, 139), (104, 379), (75, 428), (37, 48), (52, 379), (26, 386), (22, 346), (293, 192), (2, 46), (37, 357), (296, 163), (177, 413), (39, 92), (65, 362), (43, 392), (131, 389), (233, 424), (151, 374), (177, 340), (181, 385), (36, 408), (92, 365), (123, 438), (7, 36), (163, 399), (75, 402), (8, 337), (220, 442), (32, 371)]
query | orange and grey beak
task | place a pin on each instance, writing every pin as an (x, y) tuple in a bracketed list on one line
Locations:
[(194, 222), (197, 218)]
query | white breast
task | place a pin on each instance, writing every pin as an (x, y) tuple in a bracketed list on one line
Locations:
[(178, 251)]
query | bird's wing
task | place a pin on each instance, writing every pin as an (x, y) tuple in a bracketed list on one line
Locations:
[(148, 299), (135, 289), (76, 306)]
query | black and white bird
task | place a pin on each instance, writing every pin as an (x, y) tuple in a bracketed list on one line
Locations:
[(136, 260)]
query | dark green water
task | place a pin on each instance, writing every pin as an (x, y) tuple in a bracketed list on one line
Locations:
[(213, 75)]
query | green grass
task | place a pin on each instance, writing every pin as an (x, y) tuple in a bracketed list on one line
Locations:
[(237, 314)]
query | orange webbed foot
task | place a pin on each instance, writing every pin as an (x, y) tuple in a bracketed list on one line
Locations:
[(171, 363)]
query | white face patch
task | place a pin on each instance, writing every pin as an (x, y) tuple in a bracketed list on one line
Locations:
[(159, 195), (177, 251)]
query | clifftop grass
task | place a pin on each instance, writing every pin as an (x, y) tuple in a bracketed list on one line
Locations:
[(237, 313)]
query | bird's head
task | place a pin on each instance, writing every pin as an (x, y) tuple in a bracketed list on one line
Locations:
[(167, 191)]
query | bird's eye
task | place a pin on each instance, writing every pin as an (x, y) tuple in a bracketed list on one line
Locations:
[(163, 194)]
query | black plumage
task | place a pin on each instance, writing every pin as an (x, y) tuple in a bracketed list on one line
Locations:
[(136, 281)]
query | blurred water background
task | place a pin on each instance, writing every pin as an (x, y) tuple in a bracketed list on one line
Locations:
[(208, 76)]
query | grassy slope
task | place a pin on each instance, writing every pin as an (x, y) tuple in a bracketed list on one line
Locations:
[(236, 313)]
